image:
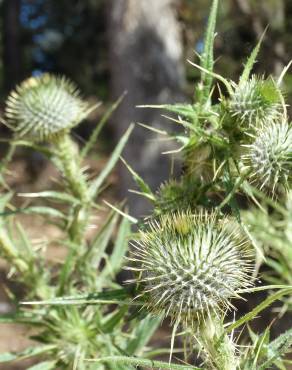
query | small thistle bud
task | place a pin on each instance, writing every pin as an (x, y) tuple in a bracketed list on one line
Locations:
[(255, 101), (43, 107), (175, 195), (190, 266), (269, 157)]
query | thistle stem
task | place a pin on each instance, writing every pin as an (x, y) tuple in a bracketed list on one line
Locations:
[(218, 348), (68, 159), (67, 154)]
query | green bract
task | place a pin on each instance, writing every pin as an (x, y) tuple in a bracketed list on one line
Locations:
[(191, 265), (43, 107), (269, 157)]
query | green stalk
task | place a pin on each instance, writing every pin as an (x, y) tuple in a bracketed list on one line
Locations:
[(68, 159), (218, 348), (67, 156)]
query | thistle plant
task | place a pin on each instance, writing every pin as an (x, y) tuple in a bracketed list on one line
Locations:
[(41, 113), (193, 257)]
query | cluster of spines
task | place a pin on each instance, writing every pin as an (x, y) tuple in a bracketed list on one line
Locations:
[(255, 102), (191, 265), (269, 157), (44, 106), (175, 195)]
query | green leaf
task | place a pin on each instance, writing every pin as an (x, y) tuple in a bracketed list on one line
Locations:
[(95, 185), (57, 195), (277, 348), (27, 353), (101, 240), (93, 137), (118, 296), (115, 260), (253, 313), (207, 57), (38, 148), (125, 215), (44, 211), (114, 320), (145, 189), (4, 199), (143, 333), (185, 110), (251, 61), (18, 318), (143, 362), (45, 365)]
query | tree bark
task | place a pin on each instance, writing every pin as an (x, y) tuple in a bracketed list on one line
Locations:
[(145, 60), (11, 43)]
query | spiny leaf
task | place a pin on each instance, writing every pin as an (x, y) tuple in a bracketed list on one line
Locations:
[(95, 185), (118, 296), (115, 260), (4, 199), (253, 313), (44, 211), (130, 218), (114, 319), (144, 187), (142, 333), (27, 353), (251, 61), (57, 195), (143, 362), (101, 240), (207, 58), (277, 348), (185, 110), (93, 137), (45, 365)]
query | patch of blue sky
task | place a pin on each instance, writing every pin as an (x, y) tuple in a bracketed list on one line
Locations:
[(199, 47), (29, 15)]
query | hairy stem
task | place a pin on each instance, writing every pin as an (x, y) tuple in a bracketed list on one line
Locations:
[(68, 159), (218, 348)]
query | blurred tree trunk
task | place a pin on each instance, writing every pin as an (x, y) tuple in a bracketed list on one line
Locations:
[(11, 43), (145, 60)]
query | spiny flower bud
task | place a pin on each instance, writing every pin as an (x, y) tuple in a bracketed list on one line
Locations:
[(175, 195), (255, 101), (269, 157), (43, 107), (191, 265)]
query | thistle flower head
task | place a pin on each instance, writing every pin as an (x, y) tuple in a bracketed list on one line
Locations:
[(191, 265), (43, 107), (269, 157), (255, 101)]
